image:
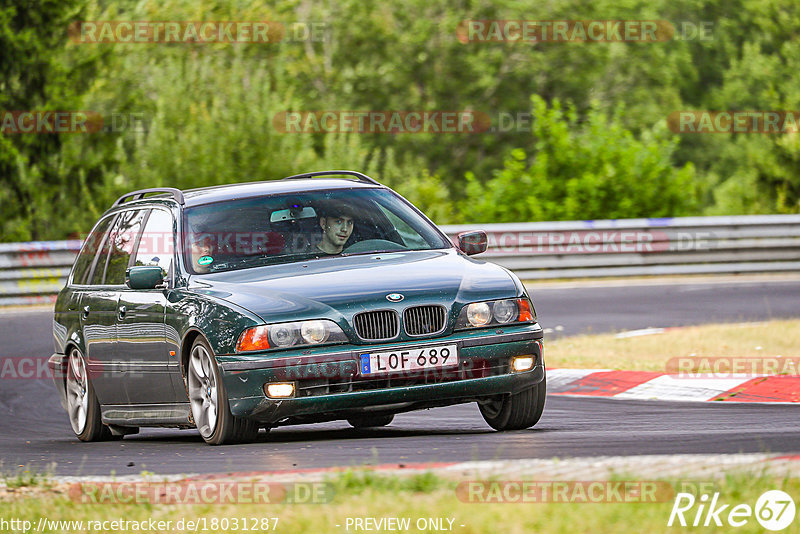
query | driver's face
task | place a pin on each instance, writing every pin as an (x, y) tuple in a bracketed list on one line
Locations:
[(200, 249), (337, 230)]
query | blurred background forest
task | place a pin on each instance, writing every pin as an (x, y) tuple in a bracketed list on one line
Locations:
[(597, 145)]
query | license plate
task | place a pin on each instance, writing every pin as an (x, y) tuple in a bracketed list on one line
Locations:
[(409, 359)]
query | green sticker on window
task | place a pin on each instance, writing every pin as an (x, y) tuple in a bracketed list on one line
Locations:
[(205, 260)]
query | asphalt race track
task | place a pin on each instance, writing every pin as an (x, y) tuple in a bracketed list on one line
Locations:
[(630, 307), (35, 432)]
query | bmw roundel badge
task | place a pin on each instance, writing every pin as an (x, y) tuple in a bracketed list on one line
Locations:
[(394, 297)]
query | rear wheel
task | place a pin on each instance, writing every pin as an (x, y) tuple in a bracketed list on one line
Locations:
[(516, 411), (209, 400), (368, 421), (82, 405)]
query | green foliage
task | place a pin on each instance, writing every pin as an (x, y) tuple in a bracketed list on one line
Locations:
[(597, 148), (583, 170), (37, 73)]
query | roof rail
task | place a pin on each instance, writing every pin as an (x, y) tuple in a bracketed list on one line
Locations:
[(138, 195), (361, 177)]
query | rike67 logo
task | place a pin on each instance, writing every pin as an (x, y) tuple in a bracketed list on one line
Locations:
[(774, 510)]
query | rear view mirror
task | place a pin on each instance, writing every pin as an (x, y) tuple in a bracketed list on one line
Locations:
[(144, 277), (292, 214), (472, 242)]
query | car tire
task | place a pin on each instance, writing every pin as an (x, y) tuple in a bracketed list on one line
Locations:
[(209, 400), (370, 421), (515, 411), (83, 407)]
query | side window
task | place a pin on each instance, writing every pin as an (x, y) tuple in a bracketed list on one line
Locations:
[(89, 250), (157, 245), (119, 247)]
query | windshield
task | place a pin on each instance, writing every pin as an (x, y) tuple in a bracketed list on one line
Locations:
[(269, 230)]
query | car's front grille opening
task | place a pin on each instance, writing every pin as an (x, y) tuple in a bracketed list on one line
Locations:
[(466, 370), (423, 320), (377, 325)]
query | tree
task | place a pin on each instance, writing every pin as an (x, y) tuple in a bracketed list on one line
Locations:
[(37, 73), (583, 170)]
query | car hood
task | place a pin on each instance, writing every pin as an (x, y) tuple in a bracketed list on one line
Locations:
[(338, 287)]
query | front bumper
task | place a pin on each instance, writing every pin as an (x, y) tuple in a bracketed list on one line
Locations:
[(329, 385)]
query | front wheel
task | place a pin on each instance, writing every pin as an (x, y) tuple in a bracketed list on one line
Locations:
[(209, 401), (516, 411)]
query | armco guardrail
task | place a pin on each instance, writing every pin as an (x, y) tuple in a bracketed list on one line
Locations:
[(34, 272), (641, 247)]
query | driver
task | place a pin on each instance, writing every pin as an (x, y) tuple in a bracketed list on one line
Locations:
[(337, 226), (201, 250)]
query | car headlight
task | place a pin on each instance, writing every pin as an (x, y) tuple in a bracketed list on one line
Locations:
[(314, 332), (479, 313), (285, 335), (282, 335), (495, 312), (505, 311)]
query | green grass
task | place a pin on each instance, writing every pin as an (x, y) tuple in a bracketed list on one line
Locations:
[(769, 339), (362, 494), (24, 477), (357, 482)]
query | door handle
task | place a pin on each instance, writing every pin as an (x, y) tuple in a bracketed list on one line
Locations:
[(122, 311), (86, 311)]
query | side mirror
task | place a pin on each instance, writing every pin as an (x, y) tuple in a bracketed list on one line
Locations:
[(144, 277), (472, 242)]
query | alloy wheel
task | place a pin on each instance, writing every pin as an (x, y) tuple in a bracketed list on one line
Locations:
[(77, 391), (203, 391)]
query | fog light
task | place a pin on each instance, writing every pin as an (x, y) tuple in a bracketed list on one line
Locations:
[(280, 391), (522, 363)]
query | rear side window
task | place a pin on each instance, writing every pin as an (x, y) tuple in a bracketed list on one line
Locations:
[(89, 250), (157, 244), (112, 261), (122, 242)]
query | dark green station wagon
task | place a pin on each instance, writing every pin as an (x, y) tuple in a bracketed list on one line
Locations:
[(320, 297)]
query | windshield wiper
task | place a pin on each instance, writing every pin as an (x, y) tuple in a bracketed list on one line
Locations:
[(374, 252), (264, 260)]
